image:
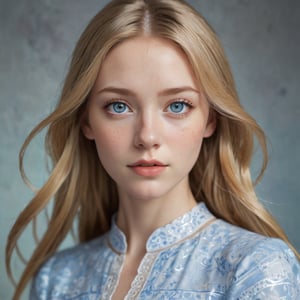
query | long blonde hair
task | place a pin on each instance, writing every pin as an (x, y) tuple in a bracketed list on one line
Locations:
[(78, 183)]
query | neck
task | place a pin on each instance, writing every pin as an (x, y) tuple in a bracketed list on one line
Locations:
[(139, 218)]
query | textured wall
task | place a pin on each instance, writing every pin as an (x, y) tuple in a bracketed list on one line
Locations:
[(261, 38)]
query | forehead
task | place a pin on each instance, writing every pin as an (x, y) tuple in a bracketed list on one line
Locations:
[(146, 58)]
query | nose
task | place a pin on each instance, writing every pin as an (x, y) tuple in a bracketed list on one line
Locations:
[(147, 131)]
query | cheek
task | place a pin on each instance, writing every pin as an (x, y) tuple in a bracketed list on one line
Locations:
[(109, 142), (190, 140)]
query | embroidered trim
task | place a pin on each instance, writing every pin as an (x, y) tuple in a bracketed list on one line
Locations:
[(112, 280), (207, 223), (140, 279), (179, 229)]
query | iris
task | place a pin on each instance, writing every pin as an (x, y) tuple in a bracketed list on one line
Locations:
[(177, 107), (119, 107)]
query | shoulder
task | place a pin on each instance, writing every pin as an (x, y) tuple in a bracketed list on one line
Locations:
[(86, 251), (260, 266), (67, 266), (269, 269), (232, 240)]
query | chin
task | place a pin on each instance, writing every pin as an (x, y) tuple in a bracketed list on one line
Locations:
[(146, 192), (151, 189), (146, 196)]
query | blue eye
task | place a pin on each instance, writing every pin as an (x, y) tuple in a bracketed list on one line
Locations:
[(117, 108), (177, 107)]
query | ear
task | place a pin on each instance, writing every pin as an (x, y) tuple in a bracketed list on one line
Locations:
[(86, 128), (211, 124)]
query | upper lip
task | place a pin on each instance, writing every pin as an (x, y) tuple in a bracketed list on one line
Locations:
[(147, 163)]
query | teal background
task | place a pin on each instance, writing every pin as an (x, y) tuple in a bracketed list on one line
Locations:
[(261, 38)]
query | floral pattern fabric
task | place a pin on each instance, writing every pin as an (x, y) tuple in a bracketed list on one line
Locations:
[(194, 257)]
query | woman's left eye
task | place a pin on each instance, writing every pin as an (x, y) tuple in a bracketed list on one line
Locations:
[(178, 107)]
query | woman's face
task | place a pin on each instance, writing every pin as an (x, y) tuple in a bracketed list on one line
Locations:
[(148, 118)]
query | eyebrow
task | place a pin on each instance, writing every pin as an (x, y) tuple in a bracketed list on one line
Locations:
[(166, 92)]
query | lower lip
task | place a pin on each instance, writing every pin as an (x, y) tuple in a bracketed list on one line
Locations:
[(148, 171)]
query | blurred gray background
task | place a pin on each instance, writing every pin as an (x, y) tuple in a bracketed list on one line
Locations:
[(262, 41)]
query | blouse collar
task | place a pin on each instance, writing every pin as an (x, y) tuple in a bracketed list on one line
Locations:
[(167, 235)]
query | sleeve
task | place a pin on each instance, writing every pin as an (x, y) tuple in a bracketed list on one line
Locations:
[(40, 285), (269, 271)]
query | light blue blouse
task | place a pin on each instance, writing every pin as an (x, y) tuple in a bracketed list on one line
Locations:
[(195, 257)]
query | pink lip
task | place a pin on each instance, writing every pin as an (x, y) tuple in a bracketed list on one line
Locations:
[(148, 168)]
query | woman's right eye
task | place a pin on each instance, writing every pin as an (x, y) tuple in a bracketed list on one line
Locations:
[(117, 108)]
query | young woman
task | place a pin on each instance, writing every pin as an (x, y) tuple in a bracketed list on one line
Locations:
[(151, 152)]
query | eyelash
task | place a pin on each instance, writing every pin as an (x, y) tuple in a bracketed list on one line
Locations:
[(188, 106)]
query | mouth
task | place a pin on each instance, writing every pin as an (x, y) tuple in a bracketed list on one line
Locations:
[(148, 168), (149, 163)]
